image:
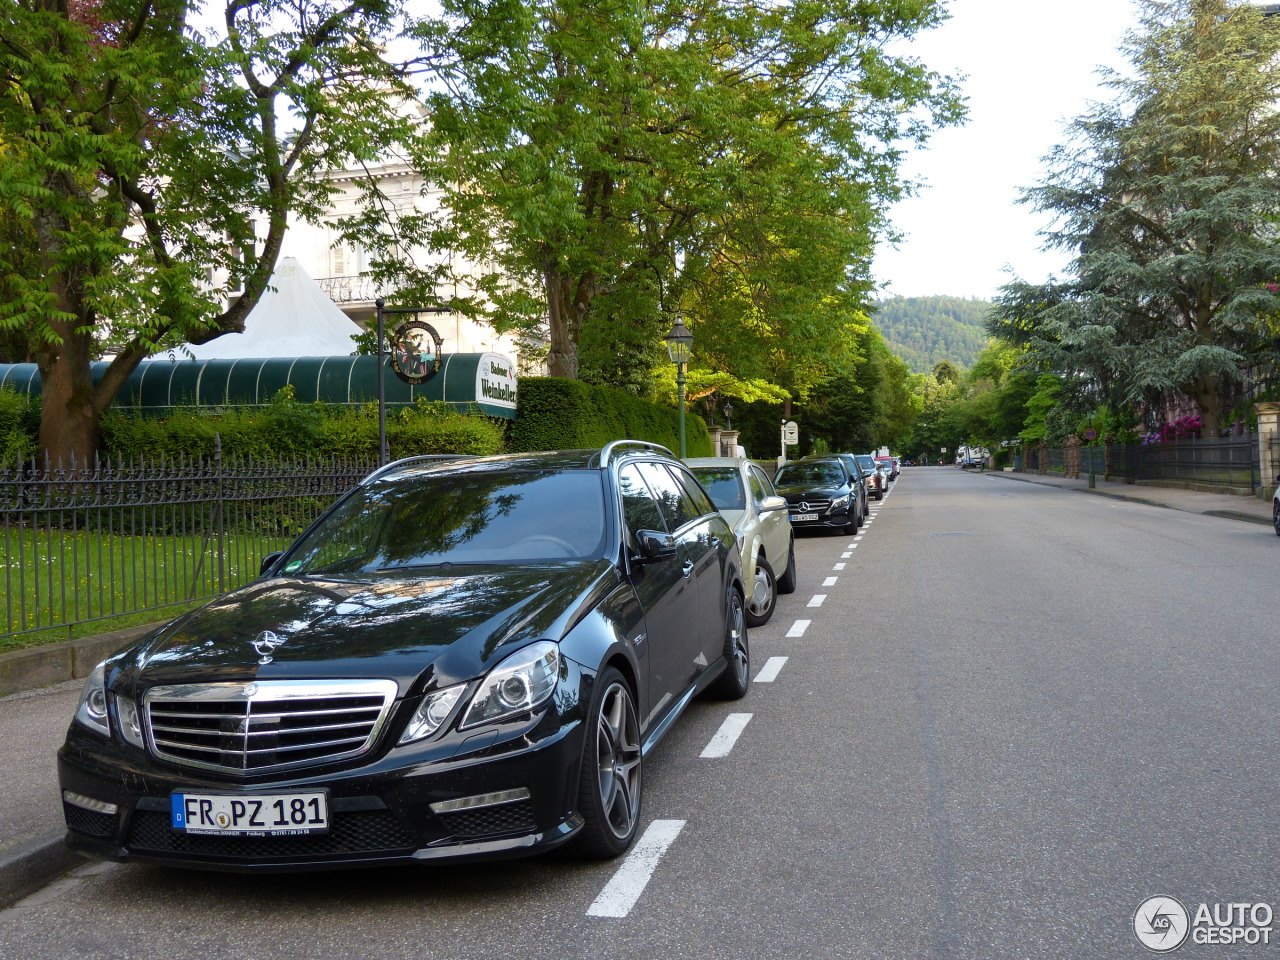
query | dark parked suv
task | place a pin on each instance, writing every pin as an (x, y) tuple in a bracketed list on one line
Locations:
[(820, 494), (463, 659)]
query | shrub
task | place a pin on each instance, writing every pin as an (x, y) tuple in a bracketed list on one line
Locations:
[(19, 426), (558, 414), (288, 428)]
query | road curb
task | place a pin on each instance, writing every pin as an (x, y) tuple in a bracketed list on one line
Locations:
[(27, 867), (52, 663)]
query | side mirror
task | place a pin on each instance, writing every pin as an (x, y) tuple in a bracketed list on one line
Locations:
[(655, 546), (269, 561), (772, 504)]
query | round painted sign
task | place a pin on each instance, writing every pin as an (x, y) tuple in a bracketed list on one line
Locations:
[(415, 352), (1091, 434)]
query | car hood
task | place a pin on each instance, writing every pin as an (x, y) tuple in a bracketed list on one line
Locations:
[(458, 625), (801, 490)]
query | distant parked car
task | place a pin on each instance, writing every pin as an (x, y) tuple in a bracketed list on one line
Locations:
[(744, 494), (1275, 510), (877, 479), (820, 493), (889, 464), (860, 480)]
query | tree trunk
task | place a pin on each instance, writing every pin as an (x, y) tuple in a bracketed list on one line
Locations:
[(1206, 397), (567, 303), (69, 420)]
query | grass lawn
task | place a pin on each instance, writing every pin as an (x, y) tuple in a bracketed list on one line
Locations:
[(61, 585)]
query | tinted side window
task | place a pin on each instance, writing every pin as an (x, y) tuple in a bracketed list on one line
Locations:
[(673, 499), (638, 506), (697, 496)]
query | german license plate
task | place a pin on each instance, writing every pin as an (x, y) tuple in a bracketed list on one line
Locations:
[(803, 516), (249, 815)]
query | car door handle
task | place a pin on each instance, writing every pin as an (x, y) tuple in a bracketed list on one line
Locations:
[(687, 567)]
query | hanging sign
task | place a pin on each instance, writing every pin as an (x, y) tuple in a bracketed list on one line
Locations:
[(415, 352)]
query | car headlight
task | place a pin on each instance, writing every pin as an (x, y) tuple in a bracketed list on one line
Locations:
[(92, 711), (432, 712), (516, 685), (839, 503)]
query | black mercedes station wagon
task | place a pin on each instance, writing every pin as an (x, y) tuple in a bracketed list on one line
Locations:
[(461, 659)]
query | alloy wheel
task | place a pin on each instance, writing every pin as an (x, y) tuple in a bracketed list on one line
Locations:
[(618, 760)]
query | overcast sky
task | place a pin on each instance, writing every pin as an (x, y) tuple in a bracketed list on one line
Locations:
[(1031, 67)]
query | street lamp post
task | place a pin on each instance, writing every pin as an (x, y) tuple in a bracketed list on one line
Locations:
[(679, 345), (728, 414)]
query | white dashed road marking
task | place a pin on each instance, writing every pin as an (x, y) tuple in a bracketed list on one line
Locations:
[(798, 628), (830, 581), (772, 667), (726, 736), (817, 599), (621, 893), (838, 566)]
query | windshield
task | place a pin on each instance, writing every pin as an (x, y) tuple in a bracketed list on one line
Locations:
[(866, 462), (818, 473), (459, 517), (723, 485)]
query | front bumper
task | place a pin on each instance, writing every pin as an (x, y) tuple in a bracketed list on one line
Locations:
[(380, 812), (833, 520)]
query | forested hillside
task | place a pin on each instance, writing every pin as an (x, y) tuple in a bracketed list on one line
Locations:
[(925, 330)]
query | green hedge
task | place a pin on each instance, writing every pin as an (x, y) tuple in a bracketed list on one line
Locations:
[(19, 426), (557, 414), (286, 427)]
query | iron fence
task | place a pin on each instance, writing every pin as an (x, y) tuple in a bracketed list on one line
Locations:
[(1232, 462), (1229, 462), (87, 545)]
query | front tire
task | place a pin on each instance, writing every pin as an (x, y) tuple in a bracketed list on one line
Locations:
[(610, 786), (734, 683)]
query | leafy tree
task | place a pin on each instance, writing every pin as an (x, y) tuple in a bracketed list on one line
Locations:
[(1169, 197), (944, 371), (142, 162), (615, 162)]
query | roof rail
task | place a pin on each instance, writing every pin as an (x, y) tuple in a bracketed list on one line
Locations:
[(396, 465), (606, 452)]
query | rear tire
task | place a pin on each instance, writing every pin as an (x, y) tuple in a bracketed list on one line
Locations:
[(787, 582), (1275, 516), (760, 608)]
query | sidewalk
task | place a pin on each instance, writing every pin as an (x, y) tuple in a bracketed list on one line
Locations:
[(1249, 509), (33, 723)]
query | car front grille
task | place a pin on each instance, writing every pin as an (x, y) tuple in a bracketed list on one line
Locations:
[(266, 726), (370, 831), (814, 506)]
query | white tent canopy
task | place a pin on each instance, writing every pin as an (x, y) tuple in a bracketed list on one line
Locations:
[(294, 318)]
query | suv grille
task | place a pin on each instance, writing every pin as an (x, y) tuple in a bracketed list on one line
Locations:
[(266, 726), (816, 505)]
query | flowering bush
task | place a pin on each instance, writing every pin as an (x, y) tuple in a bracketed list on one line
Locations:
[(1185, 428)]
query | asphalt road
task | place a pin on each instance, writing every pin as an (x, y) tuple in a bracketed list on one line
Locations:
[(1007, 716)]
